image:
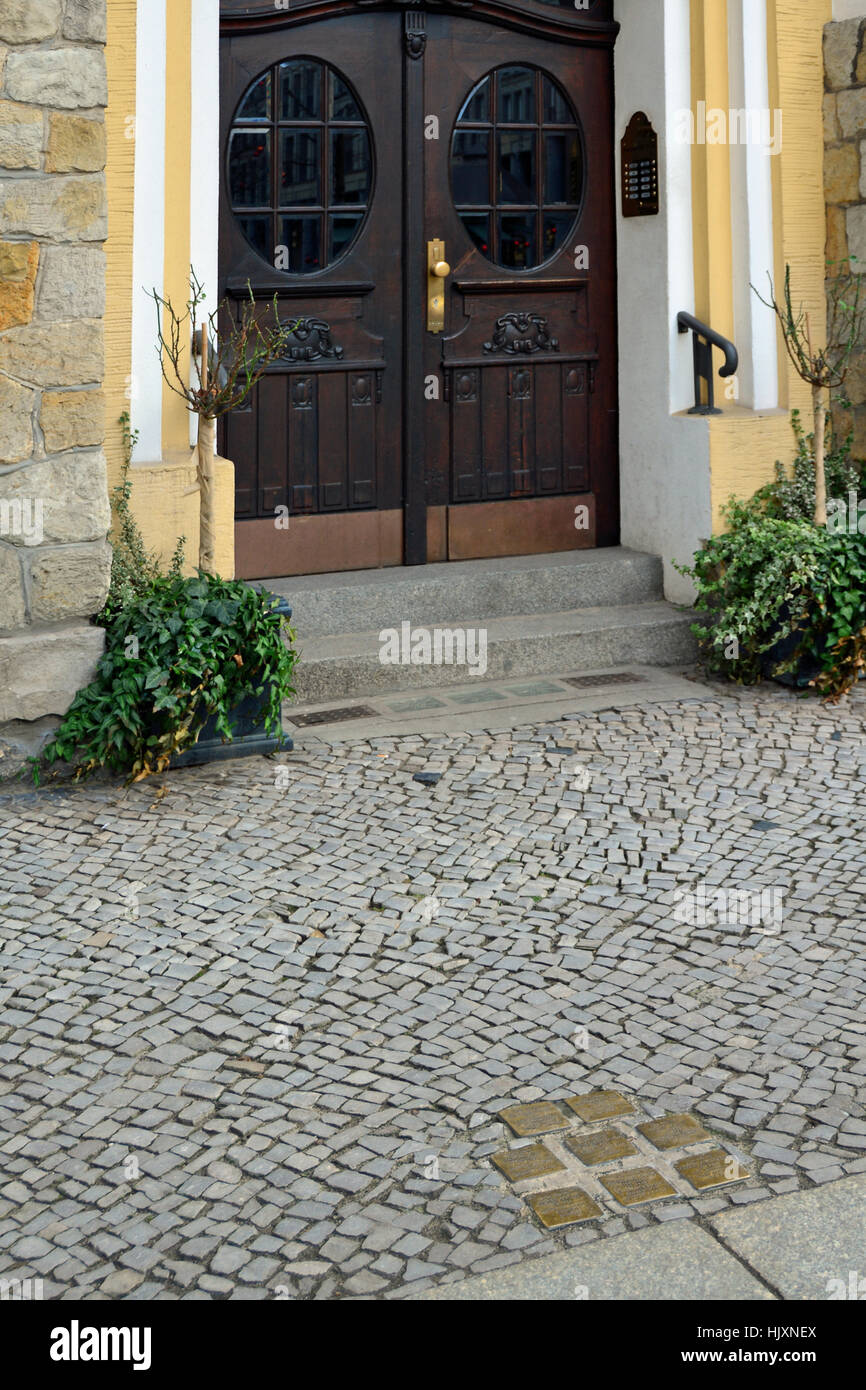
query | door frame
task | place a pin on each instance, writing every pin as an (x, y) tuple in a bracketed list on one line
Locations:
[(594, 27)]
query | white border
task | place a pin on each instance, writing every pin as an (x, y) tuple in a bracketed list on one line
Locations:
[(205, 152), (752, 209), (148, 249)]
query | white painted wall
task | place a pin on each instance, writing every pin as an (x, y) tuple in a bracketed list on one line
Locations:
[(149, 228), (149, 234), (664, 457), (849, 9), (205, 146), (752, 209)]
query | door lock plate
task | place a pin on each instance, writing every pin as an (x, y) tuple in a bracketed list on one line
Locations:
[(437, 271)]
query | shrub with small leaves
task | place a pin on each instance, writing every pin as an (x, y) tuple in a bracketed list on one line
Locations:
[(781, 594), (133, 567), (792, 492)]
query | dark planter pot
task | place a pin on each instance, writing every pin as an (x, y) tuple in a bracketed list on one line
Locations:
[(247, 722), (806, 669)]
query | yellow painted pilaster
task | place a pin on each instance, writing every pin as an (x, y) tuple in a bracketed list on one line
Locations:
[(744, 444), (120, 180), (178, 105), (797, 87)]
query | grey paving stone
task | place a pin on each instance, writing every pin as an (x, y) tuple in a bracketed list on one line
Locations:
[(318, 1101), (801, 1243), (661, 1263)]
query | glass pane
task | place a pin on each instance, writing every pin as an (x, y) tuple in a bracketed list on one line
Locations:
[(476, 107), (300, 168), (350, 166), (470, 167), (517, 248), (256, 105), (300, 91), (557, 227), (516, 88), (562, 168), (556, 107), (477, 225), (342, 229), (515, 166), (259, 233), (250, 168), (301, 239), (343, 106)]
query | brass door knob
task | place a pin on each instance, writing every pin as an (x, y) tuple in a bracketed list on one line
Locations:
[(441, 269)]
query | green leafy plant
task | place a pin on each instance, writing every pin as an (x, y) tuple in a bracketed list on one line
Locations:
[(134, 568), (176, 654), (781, 594), (792, 493)]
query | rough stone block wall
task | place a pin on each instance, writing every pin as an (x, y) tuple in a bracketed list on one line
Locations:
[(55, 561), (845, 187)]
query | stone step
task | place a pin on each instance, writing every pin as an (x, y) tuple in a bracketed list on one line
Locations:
[(359, 601), (533, 644)]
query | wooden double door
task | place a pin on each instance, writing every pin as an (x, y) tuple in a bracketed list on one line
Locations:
[(429, 195)]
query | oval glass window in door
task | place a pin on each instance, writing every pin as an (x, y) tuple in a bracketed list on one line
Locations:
[(299, 166), (517, 167)]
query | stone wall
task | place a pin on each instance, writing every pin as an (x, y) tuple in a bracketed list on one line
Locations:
[(55, 561), (845, 186)]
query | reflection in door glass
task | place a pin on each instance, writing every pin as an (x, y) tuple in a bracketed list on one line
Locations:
[(343, 227), (516, 91), (301, 236), (476, 107), (477, 225), (515, 166), (523, 118), (294, 164), (300, 91), (257, 231), (470, 168), (555, 230), (350, 166), (300, 168), (250, 168), (342, 105), (517, 247), (561, 167), (256, 105)]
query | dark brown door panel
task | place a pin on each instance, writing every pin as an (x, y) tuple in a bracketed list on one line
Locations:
[(387, 442)]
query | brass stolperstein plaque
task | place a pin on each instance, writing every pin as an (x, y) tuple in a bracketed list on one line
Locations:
[(600, 1147), (532, 1161), (637, 1185), (563, 1206)]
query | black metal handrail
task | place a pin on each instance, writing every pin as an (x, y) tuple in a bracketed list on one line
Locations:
[(703, 342)]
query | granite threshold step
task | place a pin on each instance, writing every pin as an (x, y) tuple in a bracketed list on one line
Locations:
[(487, 705), (459, 592), (525, 646)]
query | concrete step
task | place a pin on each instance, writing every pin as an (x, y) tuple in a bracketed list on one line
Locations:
[(359, 601), (531, 644)]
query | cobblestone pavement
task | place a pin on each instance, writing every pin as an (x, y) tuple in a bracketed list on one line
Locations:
[(259, 1023)]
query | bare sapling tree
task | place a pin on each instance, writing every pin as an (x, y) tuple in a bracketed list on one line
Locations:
[(823, 363), (230, 354)]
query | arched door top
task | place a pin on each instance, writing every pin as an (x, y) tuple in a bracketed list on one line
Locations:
[(560, 19)]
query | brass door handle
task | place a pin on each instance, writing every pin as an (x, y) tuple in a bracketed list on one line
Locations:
[(438, 270)]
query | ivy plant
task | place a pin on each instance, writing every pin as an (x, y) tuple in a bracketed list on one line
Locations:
[(181, 651), (779, 594)]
